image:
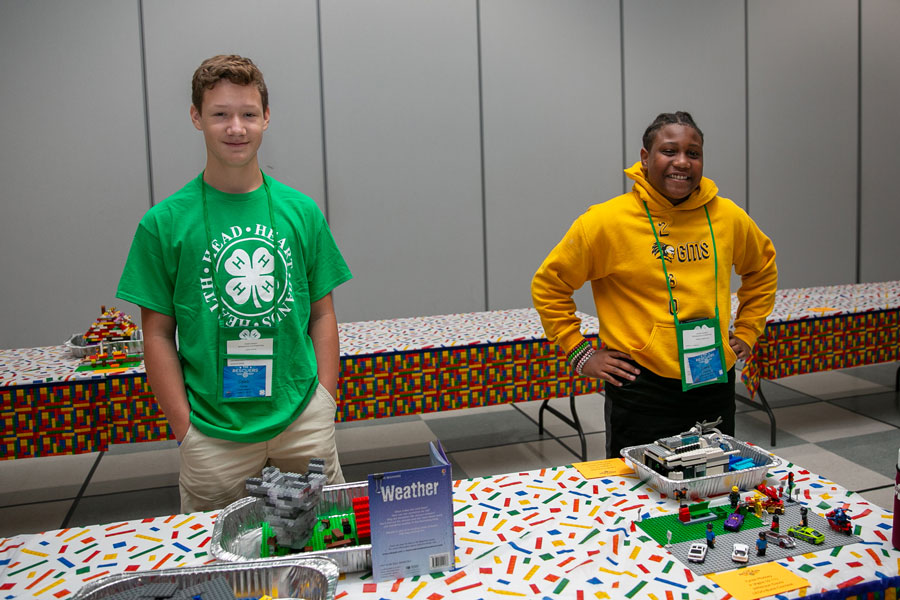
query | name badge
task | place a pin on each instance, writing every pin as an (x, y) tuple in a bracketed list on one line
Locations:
[(701, 336), (251, 346), (247, 378), (703, 366)]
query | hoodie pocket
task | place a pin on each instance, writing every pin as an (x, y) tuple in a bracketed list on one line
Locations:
[(660, 353)]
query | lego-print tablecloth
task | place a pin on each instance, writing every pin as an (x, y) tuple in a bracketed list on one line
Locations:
[(29, 366), (542, 534), (825, 328), (388, 368), (426, 364)]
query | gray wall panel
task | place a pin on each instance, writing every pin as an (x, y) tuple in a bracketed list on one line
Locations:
[(402, 138), (283, 42), (803, 135), (689, 55), (403, 132), (73, 162), (880, 244), (552, 130)]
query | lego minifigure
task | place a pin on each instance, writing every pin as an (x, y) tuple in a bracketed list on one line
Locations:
[(710, 536), (775, 523), (734, 496), (803, 516), (761, 544)]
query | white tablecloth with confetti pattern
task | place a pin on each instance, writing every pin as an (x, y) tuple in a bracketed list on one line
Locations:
[(541, 534)]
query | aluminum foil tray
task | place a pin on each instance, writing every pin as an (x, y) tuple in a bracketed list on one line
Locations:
[(294, 577), (79, 349), (237, 536), (708, 485)]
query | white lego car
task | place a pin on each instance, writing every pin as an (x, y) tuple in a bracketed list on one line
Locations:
[(740, 553), (697, 552)]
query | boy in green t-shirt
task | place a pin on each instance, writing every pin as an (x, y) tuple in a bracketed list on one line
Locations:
[(233, 274)]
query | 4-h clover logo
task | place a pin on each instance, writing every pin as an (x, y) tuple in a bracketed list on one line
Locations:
[(251, 277)]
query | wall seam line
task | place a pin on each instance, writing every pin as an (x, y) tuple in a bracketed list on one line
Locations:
[(484, 228), (747, 107), (622, 76), (146, 97), (859, 147), (326, 197)]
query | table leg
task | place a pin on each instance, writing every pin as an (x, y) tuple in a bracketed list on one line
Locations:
[(572, 421), (763, 404)]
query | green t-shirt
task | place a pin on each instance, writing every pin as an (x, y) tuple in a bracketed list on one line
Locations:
[(169, 270)]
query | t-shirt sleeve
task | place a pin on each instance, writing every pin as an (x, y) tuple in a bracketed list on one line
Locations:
[(328, 269), (145, 280)]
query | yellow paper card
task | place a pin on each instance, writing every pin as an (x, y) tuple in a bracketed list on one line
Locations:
[(758, 581), (595, 469)]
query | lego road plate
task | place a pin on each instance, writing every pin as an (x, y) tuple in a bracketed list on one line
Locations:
[(719, 558), (708, 485), (236, 535), (308, 578)]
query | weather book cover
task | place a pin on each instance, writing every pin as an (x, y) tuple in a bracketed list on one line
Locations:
[(411, 515)]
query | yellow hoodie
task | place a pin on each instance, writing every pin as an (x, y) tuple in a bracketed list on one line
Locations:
[(612, 246)]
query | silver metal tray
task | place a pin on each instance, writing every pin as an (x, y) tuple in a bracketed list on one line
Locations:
[(79, 349), (237, 536), (708, 485), (292, 577)]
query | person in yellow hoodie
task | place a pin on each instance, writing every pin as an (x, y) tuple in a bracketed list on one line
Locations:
[(659, 260)]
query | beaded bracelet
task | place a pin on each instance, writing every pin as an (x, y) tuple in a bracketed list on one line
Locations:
[(577, 352), (583, 360)]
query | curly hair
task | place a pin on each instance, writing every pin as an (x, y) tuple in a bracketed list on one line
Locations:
[(677, 118), (236, 69)]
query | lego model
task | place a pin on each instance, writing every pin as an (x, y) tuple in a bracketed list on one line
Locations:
[(110, 327), (733, 522), (363, 523), (783, 540), (762, 543), (698, 512), (710, 536), (768, 498), (740, 553), (111, 360), (807, 534), (697, 553), (839, 521), (698, 452), (290, 501)]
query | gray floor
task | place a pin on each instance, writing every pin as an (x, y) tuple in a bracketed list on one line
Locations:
[(843, 425)]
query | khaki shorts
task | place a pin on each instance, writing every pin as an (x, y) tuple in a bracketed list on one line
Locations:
[(213, 471)]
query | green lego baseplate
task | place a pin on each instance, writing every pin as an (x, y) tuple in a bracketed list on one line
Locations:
[(718, 558), (658, 527)]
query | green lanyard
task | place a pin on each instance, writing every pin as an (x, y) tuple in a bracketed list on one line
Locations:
[(662, 257), (209, 239)]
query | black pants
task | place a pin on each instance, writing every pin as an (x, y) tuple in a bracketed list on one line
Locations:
[(653, 407)]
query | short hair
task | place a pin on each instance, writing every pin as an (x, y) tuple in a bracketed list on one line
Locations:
[(236, 69), (677, 118)]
